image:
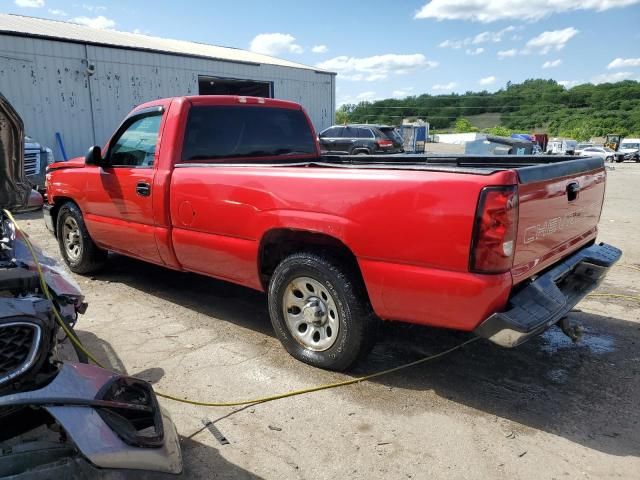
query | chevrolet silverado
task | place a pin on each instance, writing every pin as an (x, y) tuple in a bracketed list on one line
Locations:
[(236, 188)]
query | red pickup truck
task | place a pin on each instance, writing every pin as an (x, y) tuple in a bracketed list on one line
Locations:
[(235, 188)]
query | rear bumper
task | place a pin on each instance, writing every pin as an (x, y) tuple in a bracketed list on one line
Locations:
[(550, 297)]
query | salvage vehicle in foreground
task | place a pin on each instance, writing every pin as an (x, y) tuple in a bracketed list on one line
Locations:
[(60, 419), (235, 188)]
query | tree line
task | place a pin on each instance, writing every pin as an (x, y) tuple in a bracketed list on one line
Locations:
[(535, 105)]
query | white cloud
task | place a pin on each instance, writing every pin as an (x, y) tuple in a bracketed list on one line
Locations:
[(493, 10), (552, 63), (624, 63), (494, 37), (275, 44), (569, 83), (29, 3), (57, 12), (93, 8), (613, 77), (476, 51), (483, 37), (95, 22), (507, 53), (377, 67), (447, 87), (550, 40), (320, 49), (452, 44), (402, 92), (491, 79), (360, 97), (366, 96)]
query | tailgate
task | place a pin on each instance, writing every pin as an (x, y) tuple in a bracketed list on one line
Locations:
[(559, 210)]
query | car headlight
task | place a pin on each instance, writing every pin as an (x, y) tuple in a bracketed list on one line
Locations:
[(50, 157)]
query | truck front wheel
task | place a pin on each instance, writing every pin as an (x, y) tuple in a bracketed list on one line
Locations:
[(320, 312), (78, 250)]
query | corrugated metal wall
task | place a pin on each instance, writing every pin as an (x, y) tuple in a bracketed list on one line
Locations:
[(47, 83)]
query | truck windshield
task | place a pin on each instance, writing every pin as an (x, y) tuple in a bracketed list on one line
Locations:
[(227, 132)]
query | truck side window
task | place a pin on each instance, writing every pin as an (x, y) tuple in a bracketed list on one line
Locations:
[(136, 146)]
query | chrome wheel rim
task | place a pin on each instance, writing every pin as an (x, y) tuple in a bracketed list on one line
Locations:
[(311, 314), (71, 238)]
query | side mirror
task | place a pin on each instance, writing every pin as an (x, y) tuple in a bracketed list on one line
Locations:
[(93, 156)]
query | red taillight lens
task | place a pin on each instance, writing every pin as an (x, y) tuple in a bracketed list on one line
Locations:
[(495, 230), (385, 143)]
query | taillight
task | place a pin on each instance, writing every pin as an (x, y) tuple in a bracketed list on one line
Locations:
[(495, 230), (385, 143)]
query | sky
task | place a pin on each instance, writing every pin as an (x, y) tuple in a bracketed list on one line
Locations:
[(385, 49)]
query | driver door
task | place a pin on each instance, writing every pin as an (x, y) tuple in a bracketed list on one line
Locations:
[(120, 196)]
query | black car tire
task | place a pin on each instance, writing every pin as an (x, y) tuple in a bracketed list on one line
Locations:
[(357, 323), (90, 257)]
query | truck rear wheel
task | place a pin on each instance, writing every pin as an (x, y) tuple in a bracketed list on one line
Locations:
[(78, 250), (320, 312)]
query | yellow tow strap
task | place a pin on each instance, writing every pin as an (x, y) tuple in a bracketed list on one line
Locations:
[(270, 398)]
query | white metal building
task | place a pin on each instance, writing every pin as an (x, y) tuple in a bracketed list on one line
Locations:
[(81, 82)]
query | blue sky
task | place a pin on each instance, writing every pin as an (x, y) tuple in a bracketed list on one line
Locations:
[(384, 49)]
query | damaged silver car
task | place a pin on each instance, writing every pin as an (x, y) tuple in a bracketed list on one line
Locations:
[(60, 419)]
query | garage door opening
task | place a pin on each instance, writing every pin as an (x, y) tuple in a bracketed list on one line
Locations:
[(229, 86)]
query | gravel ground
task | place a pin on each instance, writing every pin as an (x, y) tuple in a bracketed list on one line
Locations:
[(548, 409)]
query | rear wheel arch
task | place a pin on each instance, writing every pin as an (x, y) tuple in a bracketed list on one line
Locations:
[(277, 244)]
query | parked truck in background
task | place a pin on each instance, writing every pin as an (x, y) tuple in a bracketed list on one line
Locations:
[(561, 146), (630, 147), (235, 188), (36, 159)]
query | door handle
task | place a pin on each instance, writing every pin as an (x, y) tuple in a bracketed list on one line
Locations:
[(143, 189)]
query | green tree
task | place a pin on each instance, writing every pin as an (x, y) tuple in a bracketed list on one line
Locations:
[(539, 105), (463, 125), (500, 131), (343, 113)]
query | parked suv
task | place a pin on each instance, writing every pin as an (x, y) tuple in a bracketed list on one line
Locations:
[(360, 140)]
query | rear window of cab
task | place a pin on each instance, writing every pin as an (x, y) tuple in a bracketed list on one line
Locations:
[(245, 133)]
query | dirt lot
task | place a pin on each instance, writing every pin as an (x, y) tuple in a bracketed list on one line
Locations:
[(549, 409)]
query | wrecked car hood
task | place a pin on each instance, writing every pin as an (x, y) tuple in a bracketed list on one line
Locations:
[(14, 188)]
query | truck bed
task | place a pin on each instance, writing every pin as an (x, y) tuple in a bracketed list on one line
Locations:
[(530, 168)]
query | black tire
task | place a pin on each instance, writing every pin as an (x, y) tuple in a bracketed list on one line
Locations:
[(357, 323), (609, 159), (90, 257)]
